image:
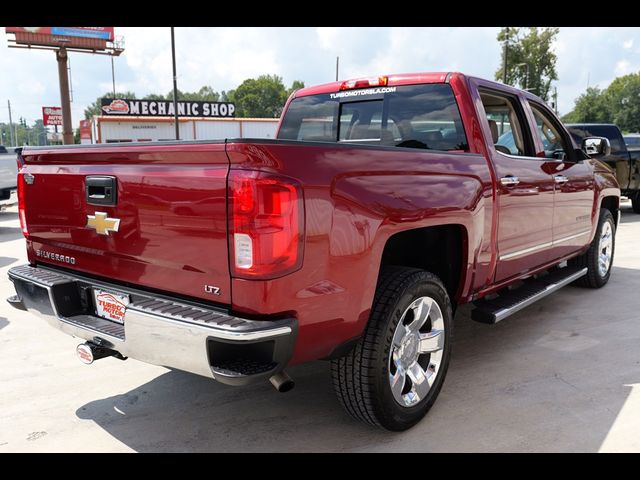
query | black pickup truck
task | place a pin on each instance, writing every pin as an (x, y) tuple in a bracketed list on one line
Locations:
[(625, 162)]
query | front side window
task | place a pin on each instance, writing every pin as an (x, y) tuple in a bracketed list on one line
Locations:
[(554, 143), (411, 116)]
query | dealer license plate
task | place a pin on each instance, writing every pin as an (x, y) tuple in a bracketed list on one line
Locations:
[(110, 305)]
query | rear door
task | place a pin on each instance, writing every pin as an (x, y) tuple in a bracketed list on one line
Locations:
[(165, 227), (574, 183), (524, 187)]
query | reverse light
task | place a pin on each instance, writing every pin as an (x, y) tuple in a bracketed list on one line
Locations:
[(364, 83), (21, 206), (266, 224)]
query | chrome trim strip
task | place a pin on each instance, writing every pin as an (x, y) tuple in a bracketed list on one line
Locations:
[(505, 312), (541, 246), (518, 253), (571, 237)]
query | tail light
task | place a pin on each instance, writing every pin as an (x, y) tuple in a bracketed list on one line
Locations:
[(21, 205), (364, 83), (266, 225)]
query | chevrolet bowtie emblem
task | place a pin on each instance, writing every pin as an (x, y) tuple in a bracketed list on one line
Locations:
[(102, 224)]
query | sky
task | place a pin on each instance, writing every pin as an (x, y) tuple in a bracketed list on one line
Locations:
[(224, 57)]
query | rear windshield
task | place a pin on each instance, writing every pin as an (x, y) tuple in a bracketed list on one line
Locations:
[(412, 116)]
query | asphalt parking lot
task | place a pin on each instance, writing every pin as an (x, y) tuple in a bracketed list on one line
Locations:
[(562, 375)]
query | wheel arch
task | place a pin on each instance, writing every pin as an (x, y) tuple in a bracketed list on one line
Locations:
[(440, 249), (611, 203)]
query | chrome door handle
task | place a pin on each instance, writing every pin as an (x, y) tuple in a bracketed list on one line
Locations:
[(509, 181), (560, 179)]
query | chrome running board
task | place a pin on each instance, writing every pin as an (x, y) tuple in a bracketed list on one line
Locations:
[(534, 289)]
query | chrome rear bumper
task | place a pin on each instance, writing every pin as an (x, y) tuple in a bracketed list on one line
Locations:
[(158, 329)]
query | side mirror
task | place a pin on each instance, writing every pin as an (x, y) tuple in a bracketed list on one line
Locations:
[(596, 146)]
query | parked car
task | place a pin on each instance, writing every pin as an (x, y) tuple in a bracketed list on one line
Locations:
[(3, 149), (625, 161), (8, 180), (632, 141), (383, 205)]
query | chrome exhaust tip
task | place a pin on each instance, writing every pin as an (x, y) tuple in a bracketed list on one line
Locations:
[(282, 382)]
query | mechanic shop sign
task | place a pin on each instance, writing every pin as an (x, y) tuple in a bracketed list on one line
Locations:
[(164, 108)]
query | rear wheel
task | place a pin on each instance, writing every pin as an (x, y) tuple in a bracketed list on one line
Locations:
[(393, 375), (599, 258)]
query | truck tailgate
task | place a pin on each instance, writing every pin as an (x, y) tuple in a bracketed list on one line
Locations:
[(170, 203)]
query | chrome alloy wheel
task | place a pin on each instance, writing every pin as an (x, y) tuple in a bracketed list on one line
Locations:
[(605, 249), (416, 351)]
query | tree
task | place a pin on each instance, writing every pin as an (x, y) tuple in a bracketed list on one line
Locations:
[(264, 96), (96, 107), (154, 96), (227, 96), (296, 85), (529, 46), (590, 107), (623, 95), (39, 132), (619, 103), (205, 94)]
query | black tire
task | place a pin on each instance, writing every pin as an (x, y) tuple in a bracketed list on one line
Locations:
[(361, 378), (635, 202), (589, 259)]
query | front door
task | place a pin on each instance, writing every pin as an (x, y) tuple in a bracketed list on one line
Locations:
[(574, 198), (525, 188)]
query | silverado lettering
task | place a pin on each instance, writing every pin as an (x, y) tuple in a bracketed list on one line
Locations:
[(382, 205), (56, 256)]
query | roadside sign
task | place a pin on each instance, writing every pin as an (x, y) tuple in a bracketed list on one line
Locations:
[(85, 131), (52, 116)]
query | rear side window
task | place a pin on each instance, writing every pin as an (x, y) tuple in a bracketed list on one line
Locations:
[(506, 123), (413, 116)]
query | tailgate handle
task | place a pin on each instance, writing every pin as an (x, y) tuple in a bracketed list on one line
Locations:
[(101, 190)]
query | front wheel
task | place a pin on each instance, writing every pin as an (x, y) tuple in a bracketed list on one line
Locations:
[(599, 258), (393, 375)]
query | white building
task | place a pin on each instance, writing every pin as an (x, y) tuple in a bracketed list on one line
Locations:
[(127, 128)]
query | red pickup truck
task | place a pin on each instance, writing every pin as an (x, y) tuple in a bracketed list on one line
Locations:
[(382, 205)]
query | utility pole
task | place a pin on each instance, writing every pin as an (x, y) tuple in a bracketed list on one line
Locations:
[(113, 77), (337, 67), (506, 51), (555, 99), (11, 125), (175, 84), (63, 74)]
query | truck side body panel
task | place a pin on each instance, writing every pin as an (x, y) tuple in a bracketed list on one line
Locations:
[(356, 198)]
